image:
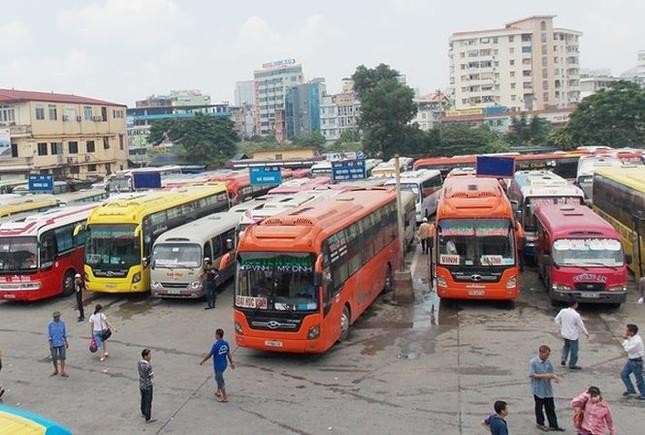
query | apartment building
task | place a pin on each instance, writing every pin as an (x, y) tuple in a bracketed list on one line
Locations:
[(528, 65), (302, 108), (59, 134), (271, 85), (339, 112), (637, 73), (430, 109)]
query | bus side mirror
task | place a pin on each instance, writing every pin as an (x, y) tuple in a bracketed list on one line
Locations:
[(628, 259), (515, 205), (137, 231), (78, 228), (145, 261), (225, 261)]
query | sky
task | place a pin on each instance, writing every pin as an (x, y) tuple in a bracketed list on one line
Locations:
[(124, 50)]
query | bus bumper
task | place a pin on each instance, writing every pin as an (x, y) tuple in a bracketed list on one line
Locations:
[(280, 345), (589, 297), (29, 291)]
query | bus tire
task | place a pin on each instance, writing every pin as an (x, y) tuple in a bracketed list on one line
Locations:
[(345, 321), (68, 283)]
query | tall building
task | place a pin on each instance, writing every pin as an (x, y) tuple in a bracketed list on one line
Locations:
[(636, 74), (59, 134), (244, 93), (430, 109), (302, 108), (339, 112), (527, 65), (593, 80), (271, 84)]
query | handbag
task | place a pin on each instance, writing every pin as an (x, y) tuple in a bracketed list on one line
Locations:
[(93, 346), (106, 333)]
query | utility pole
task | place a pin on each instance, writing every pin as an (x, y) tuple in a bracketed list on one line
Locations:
[(399, 212)]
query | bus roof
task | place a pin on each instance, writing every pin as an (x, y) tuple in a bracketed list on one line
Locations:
[(35, 224), (418, 176), (27, 203), (630, 176), (286, 202), (202, 229), (300, 184), (588, 164), (473, 197), (133, 208), (305, 228), (571, 221), (544, 183)]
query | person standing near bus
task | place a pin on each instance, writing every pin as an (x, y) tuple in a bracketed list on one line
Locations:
[(210, 276), (57, 336), (633, 345), (541, 373), (496, 423), (220, 352), (571, 325), (424, 235), (99, 326), (145, 384), (79, 287)]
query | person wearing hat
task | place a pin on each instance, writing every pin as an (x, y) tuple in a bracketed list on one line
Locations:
[(79, 287), (424, 235), (57, 343)]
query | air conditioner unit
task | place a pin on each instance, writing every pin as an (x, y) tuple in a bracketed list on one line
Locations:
[(65, 118), (79, 118)]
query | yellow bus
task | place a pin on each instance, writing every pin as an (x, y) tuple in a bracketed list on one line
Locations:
[(619, 197), (121, 232), (12, 205)]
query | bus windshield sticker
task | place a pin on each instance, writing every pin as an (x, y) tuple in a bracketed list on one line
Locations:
[(491, 260), (251, 302), (538, 201), (586, 245), (449, 259), (457, 230), (281, 263)]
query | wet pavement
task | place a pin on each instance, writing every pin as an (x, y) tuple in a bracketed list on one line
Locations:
[(431, 367)]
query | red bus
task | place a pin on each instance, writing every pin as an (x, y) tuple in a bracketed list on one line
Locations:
[(580, 255), (40, 254), (305, 275), (474, 241)]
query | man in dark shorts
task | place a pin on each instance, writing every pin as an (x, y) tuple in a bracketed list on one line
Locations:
[(220, 352), (210, 276), (57, 343)]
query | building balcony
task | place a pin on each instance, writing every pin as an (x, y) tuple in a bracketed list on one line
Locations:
[(17, 130)]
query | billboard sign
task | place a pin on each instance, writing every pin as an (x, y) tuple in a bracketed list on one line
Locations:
[(41, 183), (278, 63), (346, 170), (497, 167), (265, 175), (146, 180), (5, 143)]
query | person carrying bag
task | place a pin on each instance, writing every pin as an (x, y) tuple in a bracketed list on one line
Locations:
[(591, 414)]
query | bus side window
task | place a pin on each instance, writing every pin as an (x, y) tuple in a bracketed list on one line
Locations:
[(64, 238), (217, 246), (47, 249), (208, 252)]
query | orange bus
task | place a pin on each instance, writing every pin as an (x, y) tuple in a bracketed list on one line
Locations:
[(474, 242), (305, 275)]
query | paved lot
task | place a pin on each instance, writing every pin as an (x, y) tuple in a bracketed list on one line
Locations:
[(417, 369)]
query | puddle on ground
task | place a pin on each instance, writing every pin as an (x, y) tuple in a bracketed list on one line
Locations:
[(133, 307)]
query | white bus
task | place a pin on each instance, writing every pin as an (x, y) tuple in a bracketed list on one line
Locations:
[(387, 169), (425, 184), (409, 211), (587, 166), (531, 189), (178, 255)]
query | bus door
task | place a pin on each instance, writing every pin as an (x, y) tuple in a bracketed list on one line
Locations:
[(332, 306), (638, 244)]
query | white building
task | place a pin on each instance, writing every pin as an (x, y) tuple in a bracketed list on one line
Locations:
[(430, 109), (636, 74), (527, 65), (338, 113), (328, 118), (591, 81), (271, 84)]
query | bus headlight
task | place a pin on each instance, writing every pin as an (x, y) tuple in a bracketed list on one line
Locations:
[(136, 277), (561, 287), (238, 328), (314, 332), (156, 285), (195, 285), (511, 283), (617, 288), (441, 282)]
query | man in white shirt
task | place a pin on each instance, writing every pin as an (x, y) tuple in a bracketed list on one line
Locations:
[(571, 325), (633, 345)]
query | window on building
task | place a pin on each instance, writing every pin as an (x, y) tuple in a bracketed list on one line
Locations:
[(511, 62), (513, 97), (40, 113), (7, 114), (511, 50), (546, 97), (89, 146), (108, 168), (72, 147), (87, 113), (495, 40), (56, 148), (526, 49), (53, 115), (70, 113), (511, 38), (74, 170), (512, 73), (121, 141), (545, 74), (526, 37), (542, 25), (42, 148), (106, 143), (91, 168), (14, 150), (104, 114), (545, 84), (513, 85)]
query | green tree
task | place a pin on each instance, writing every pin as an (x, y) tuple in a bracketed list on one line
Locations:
[(202, 139), (457, 139), (314, 139), (523, 132), (387, 107), (350, 135), (613, 117), (560, 138)]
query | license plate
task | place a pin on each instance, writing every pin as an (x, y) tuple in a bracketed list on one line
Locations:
[(273, 343), (476, 292), (175, 291), (9, 296), (110, 285), (591, 295)]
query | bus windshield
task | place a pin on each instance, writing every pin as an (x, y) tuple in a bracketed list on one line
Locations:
[(534, 202), (414, 188), (476, 242), (588, 252), (18, 254), (174, 255), (276, 281), (112, 246)]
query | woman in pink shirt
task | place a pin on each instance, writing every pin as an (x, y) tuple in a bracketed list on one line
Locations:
[(596, 415)]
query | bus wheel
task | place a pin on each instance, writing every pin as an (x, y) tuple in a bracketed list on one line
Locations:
[(344, 324), (389, 281), (68, 283)]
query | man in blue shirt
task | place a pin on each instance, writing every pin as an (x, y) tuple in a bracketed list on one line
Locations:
[(220, 351), (57, 343), (541, 374), (496, 423)]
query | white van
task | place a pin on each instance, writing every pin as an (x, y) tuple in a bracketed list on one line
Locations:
[(177, 262)]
